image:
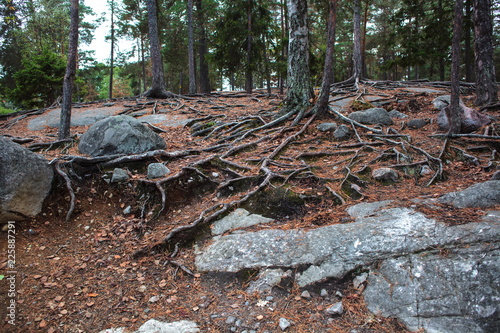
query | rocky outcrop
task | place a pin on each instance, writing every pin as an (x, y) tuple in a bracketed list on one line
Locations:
[(119, 135), (429, 275), (155, 326), (25, 181)]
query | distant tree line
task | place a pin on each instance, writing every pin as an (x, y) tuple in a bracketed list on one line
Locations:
[(240, 44)]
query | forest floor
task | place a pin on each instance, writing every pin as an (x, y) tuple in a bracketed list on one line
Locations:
[(84, 275)]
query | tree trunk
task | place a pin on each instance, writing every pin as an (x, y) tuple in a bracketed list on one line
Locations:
[(321, 106), (363, 39), (486, 87), (249, 74), (300, 90), (455, 112), (65, 121), (469, 63), (158, 86), (192, 68), (202, 49), (112, 53), (356, 56)]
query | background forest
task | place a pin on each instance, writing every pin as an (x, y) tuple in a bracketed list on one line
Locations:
[(236, 44)]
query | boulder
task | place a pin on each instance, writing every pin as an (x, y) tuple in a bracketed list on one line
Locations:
[(417, 123), (119, 135), (478, 195), (25, 181), (240, 218), (155, 326), (472, 120), (385, 175), (372, 116), (342, 133)]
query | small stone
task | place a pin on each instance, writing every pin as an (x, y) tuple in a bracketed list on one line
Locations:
[(230, 320), (335, 309), (108, 104), (359, 280), (284, 323), (154, 299), (342, 133), (306, 294), (127, 210), (157, 170), (385, 175), (327, 127), (324, 293), (119, 175), (396, 114), (417, 123), (425, 170)]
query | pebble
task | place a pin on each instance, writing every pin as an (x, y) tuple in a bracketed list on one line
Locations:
[(306, 294), (284, 323), (335, 309), (324, 293)]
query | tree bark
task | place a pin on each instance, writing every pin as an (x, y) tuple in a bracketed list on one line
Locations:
[(321, 106), (249, 74), (455, 111), (202, 49), (65, 121), (356, 54), (486, 87), (300, 90), (469, 55), (192, 68), (112, 53), (158, 86)]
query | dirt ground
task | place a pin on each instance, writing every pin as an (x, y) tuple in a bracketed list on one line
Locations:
[(82, 275)]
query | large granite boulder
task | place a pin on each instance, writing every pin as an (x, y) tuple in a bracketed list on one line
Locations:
[(471, 120), (478, 195), (119, 135), (372, 116), (25, 181)]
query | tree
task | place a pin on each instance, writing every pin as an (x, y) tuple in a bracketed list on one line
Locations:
[(157, 89), (486, 87), (64, 128), (454, 109), (202, 49), (111, 4), (321, 106), (300, 93), (356, 54), (192, 66)]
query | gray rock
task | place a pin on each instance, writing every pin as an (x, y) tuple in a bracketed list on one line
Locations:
[(359, 280), (324, 293), (327, 127), (240, 218), (396, 114), (165, 120), (284, 323), (496, 176), (83, 117), (25, 181), (155, 326), (472, 120), (336, 309), (119, 175), (417, 123), (266, 280), (342, 133), (381, 235), (385, 175), (478, 195), (372, 117), (157, 170), (453, 294), (119, 135), (306, 294)]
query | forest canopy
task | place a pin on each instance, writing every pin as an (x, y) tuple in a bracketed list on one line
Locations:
[(236, 45)]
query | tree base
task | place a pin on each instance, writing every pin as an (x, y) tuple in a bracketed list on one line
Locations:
[(157, 93)]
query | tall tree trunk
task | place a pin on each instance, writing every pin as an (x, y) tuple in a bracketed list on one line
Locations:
[(363, 39), (469, 55), (356, 56), (203, 49), (284, 48), (192, 67), (158, 86), (486, 87), (249, 72), (300, 91), (321, 106), (454, 114), (112, 53), (65, 121), (267, 68)]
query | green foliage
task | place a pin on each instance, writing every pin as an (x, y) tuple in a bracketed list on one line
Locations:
[(39, 82)]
